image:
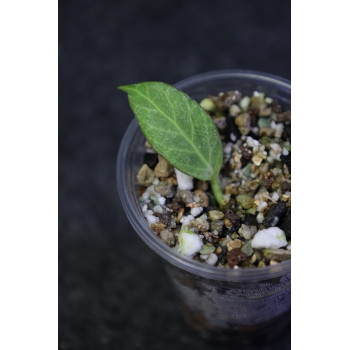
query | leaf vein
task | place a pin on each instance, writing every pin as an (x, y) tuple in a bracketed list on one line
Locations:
[(189, 141)]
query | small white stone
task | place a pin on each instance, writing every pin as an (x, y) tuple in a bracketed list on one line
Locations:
[(285, 152), (289, 247), (252, 142), (161, 200), (233, 137), (276, 171), (145, 195), (234, 110), (211, 259), (268, 100), (196, 211), (244, 103), (186, 220), (259, 94), (255, 130), (203, 217), (207, 104), (156, 181), (151, 219), (247, 231), (275, 151), (261, 206), (279, 130), (189, 243), (228, 148), (260, 218), (270, 159), (158, 209), (235, 267), (227, 197), (273, 238), (184, 181), (144, 208), (275, 196)]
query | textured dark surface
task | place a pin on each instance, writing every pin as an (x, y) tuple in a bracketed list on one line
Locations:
[(113, 291)]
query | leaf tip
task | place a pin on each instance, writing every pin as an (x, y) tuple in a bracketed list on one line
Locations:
[(124, 88)]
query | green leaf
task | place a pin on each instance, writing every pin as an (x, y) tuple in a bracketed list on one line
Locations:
[(177, 128)]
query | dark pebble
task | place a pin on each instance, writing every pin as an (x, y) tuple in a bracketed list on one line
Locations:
[(235, 219), (254, 136), (283, 117), (267, 179), (212, 202), (253, 118), (250, 220), (285, 186), (231, 128), (276, 211), (285, 225), (151, 159), (287, 130), (287, 160), (222, 257), (246, 153), (165, 218), (253, 111), (228, 98), (228, 231), (177, 204), (235, 257), (276, 106)]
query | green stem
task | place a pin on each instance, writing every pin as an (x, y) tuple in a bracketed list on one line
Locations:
[(215, 186)]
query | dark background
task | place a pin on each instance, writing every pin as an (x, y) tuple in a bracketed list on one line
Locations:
[(113, 292)]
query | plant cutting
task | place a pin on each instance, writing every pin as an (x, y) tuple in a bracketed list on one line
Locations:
[(179, 130), (240, 229), (165, 205)]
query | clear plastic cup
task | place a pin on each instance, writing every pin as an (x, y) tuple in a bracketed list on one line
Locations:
[(221, 303)]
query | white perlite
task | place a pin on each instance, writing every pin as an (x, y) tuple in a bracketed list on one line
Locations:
[(151, 219), (273, 238), (275, 151), (252, 142), (184, 181), (228, 148), (186, 220), (196, 211), (158, 209), (212, 259), (161, 200), (285, 152), (189, 243), (261, 206), (233, 137)]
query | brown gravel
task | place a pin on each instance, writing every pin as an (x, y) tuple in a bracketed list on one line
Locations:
[(235, 257)]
